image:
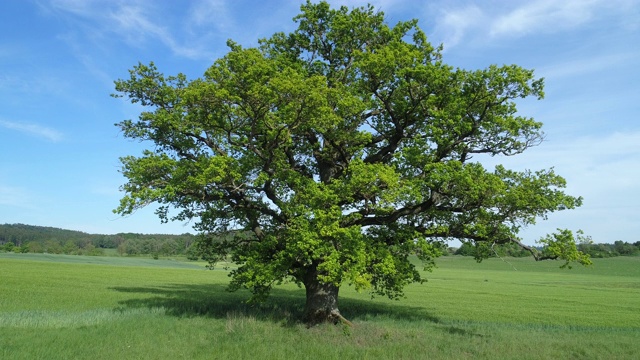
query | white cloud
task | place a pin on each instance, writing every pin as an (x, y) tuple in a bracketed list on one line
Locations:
[(131, 21), (213, 13), (457, 23), (33, 129), (133, 24), (453, 25), (136, 22), (544, 15)]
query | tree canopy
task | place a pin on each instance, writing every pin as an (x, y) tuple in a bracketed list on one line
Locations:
[(345, 148)]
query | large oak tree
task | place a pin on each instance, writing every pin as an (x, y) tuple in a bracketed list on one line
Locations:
[(342, 148)]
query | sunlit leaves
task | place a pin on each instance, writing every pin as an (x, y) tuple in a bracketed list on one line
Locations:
[(562, 245), (344, 147)]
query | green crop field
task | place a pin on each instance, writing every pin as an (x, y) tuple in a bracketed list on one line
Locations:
[(76, 307)]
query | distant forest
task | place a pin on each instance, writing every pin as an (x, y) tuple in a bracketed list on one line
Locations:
[(618, 248), (40, 239)]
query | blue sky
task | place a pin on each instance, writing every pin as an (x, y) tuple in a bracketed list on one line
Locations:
[(59, 149)]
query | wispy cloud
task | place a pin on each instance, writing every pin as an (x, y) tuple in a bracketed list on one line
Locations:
[(454, 24), (33, 130), (545, 15), (213, 13), (505, 19), (137, 22), (135, 25)]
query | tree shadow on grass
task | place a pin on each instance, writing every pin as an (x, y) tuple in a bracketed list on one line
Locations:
[(282, 306)]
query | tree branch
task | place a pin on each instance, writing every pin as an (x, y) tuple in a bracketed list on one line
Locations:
[(536, 254)]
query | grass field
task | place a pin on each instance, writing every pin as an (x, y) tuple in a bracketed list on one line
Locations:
[(76, 307)]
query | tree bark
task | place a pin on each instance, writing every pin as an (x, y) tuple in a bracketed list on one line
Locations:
[(322, 300)]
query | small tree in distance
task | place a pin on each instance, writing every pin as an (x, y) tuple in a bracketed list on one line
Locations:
[(343, 148)]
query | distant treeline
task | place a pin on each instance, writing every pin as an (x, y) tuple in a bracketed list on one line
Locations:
[(40, 239), (487, 250), (618, 248)]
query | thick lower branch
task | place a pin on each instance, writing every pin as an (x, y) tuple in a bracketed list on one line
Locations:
[(536, 254), (392, 217)]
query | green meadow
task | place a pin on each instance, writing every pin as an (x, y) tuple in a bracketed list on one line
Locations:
[(78, 307)]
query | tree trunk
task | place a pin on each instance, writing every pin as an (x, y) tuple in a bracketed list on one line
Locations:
[(322, 300)]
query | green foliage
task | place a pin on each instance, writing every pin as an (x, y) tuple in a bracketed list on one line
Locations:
[(192, 253), (618, 248), (563, 245), (92, 251), (39, 239), (466, 249), (70, 247), (34, 247), (584, 245), (8, 246), (21, 234), (345, 147)]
